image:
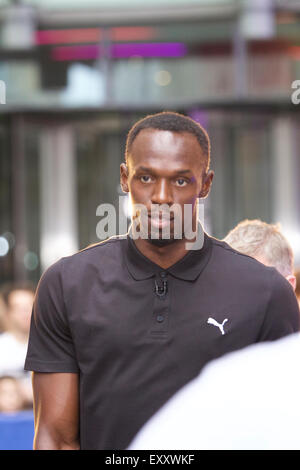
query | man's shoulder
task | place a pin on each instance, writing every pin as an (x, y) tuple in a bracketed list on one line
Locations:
[(102, 255), (226, 253), (100, 249), (225, 249), (110, 244), (238, 267)]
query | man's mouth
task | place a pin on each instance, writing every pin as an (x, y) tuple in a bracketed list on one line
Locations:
[(161, 220)]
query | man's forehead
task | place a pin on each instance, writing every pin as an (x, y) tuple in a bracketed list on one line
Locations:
[(163, 150), (164, 137), (167, 145)]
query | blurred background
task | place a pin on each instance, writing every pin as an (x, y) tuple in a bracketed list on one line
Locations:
[(79, 73), (75, 75)]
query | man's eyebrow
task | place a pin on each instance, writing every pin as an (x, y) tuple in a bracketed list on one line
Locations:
[(151, 170), (144, 168), (183, 172)]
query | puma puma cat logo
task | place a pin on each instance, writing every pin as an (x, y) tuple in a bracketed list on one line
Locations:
[(212, 321)]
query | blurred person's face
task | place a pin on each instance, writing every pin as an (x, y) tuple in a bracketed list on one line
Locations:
[(19, 310), (165, 168), (11, 398)]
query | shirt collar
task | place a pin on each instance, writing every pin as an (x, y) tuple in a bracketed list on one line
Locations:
[(187, 268)]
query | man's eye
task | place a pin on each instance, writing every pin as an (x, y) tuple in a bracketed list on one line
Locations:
[(181, 182), (145, 179)]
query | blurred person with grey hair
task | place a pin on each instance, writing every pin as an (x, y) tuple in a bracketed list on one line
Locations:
[(266, 243)]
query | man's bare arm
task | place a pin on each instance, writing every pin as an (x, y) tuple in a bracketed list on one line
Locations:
[(56, 411)]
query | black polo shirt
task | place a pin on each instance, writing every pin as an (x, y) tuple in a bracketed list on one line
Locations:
[(97, 313)]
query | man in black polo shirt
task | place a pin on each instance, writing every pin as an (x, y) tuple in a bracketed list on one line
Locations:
[(119, 327)]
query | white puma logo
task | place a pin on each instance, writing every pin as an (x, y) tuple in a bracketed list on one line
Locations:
[(212, 321)]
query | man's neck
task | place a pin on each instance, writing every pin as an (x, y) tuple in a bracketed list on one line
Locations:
[(164, 256)]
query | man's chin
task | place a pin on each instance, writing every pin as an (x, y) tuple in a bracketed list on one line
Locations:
[(159, 237), (161, 241), (156, 235)]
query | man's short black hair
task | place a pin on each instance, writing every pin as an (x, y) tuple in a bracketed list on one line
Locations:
[(174, 122)]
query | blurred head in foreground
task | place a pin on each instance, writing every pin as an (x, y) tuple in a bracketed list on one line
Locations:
[(257, 408), (266, 243)]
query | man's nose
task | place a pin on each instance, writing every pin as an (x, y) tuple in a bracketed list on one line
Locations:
[(162, 193)]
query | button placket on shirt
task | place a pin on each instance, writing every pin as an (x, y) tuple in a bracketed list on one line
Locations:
[(160, 317)]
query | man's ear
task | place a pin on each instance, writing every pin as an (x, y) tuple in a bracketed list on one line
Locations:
[(206, 184), (124, 177)]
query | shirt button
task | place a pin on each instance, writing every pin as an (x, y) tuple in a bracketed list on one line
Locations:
[(163, 274), (160, 318)]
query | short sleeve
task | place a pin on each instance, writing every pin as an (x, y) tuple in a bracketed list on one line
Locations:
[(282, 315), (50, 346)]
